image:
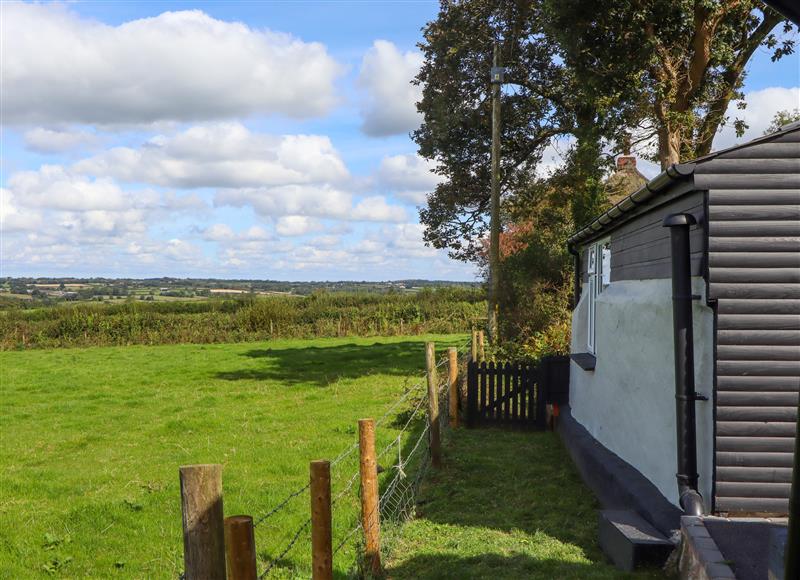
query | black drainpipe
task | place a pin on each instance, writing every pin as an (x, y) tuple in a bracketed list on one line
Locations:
[(576, 284), (685, 396)]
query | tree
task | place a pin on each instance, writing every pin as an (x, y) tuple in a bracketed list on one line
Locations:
[(682, 62), (782, 118), (456, 107)]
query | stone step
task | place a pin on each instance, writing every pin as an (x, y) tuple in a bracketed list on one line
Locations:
[(630, 541)]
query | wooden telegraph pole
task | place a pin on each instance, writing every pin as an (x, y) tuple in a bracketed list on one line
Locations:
[(433, 406), (494, 235), (370, 511), (452, 380)]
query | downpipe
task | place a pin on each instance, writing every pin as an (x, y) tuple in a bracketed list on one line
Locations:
[(685, 395)]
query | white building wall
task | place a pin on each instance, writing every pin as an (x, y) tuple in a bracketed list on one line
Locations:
[(628, 402)]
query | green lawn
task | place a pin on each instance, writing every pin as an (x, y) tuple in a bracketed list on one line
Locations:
[(506, 505), (91, 441)]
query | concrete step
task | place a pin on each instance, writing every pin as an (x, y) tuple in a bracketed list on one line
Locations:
[(630, 541)]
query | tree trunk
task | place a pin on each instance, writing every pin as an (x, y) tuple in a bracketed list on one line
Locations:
[(669, 146)]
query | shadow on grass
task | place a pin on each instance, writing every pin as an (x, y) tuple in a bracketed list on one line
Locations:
[(322, 365), (496, 567), (521, 484)]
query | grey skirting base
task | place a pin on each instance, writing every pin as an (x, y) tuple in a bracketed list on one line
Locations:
[(616, 483)]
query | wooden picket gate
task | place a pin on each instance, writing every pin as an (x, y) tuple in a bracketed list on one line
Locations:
[(515, 395)]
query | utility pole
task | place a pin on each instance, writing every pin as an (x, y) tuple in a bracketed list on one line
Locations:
[(494, 224)]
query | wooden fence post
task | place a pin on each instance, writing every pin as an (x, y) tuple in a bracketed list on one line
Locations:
[(203, 527), (433, 406), (370, 509), (474, 346), (321, 535), (481, 349), (472, 394), (240, 548), (452, 377)]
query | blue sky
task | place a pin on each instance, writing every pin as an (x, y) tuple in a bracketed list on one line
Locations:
[(231, 139)]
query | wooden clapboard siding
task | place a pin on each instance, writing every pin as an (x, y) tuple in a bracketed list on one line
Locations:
[(754, 275), (640, 249)]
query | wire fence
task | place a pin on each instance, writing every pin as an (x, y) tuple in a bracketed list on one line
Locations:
[(402, 465)]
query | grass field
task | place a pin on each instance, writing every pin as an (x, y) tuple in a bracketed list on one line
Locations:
[(506, 505), (92, 440)]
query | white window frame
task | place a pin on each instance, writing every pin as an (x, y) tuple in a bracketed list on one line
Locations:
[(598, 268)]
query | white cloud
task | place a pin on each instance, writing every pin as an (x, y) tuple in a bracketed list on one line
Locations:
[(222, 155), (761, 108), (53, 187), (59, 67), (389, 105), (377, 209), (83, 209), (12, 220), (321, 201), (49, 141), (409, 177), (218, 233), (296, 225)]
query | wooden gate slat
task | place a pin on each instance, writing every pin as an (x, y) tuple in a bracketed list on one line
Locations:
[(515, 389), (515, 394)]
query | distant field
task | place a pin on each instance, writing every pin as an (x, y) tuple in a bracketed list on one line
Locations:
[(92, 439), (238, 318)]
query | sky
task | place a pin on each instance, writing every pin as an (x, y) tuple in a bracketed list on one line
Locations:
[(261, 140)]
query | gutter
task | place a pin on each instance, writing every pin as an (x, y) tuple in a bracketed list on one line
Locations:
[(674, 173)]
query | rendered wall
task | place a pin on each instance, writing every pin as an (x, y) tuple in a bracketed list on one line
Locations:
[(628, 402)]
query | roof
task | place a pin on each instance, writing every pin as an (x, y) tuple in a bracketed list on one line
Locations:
[(673, 174)]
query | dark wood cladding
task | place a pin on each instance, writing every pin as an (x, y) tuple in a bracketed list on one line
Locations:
[(640, 248), (754, 276), (754, 259)]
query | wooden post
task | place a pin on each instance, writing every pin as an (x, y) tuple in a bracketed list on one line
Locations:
[(433, 406), (240, 548), (474, 349), (321, 535), (203, 528), (493, 297), (370, 512), (452, 377), (481, 349)]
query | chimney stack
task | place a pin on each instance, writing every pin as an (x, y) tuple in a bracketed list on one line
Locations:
[(626, 163)]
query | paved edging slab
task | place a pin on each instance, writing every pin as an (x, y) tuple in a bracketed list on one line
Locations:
[(700, 557)]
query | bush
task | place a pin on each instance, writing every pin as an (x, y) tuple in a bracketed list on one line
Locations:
[(443, 310)]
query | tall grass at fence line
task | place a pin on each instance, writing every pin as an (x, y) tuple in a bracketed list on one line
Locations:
[(442, 310)]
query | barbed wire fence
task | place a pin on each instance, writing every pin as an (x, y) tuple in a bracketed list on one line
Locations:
[(403, 462)]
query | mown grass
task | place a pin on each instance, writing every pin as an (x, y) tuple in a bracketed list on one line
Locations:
[(92, 439), (506, 505)]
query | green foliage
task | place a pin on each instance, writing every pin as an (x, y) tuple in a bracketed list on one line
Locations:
[(248, 318), (671, 67), (92, 439), (456, 107), (782, 118)]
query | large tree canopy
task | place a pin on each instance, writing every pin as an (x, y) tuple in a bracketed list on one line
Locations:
[(592, 69), (682, 62), (456, 131)]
